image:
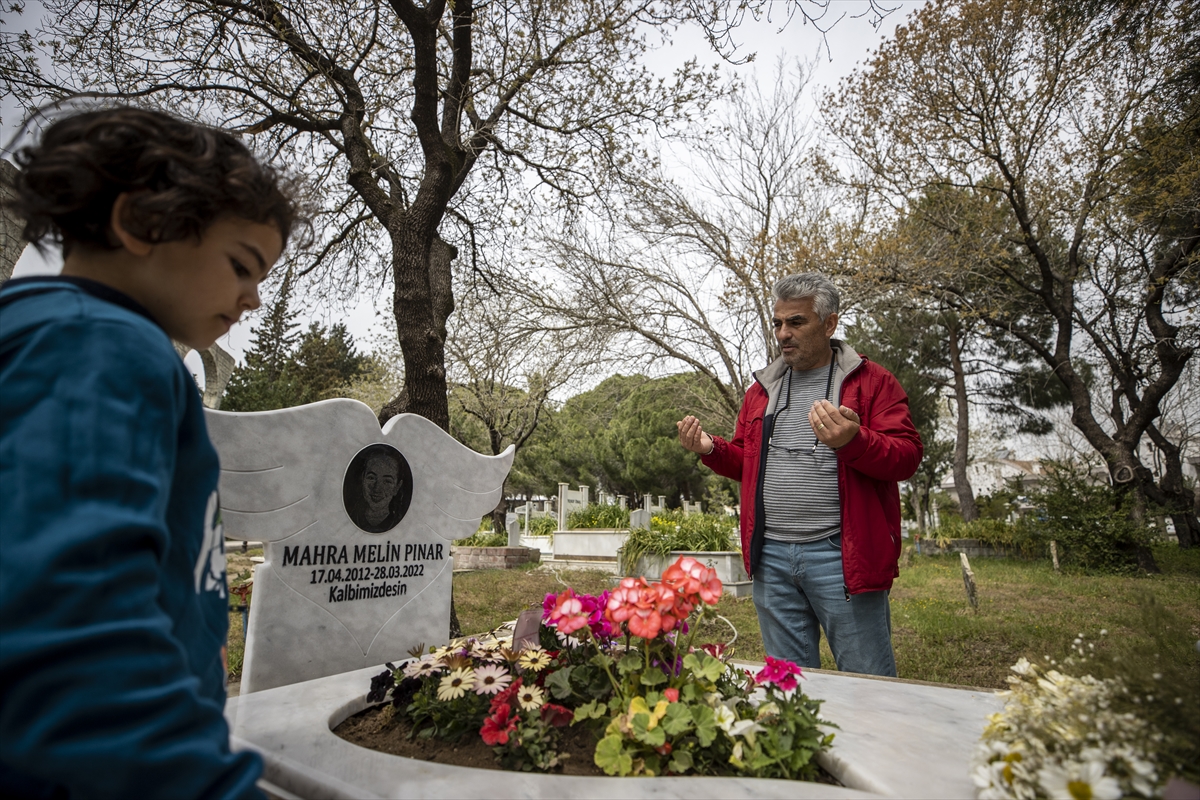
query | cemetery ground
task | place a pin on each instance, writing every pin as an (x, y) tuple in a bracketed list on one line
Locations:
[(1025, 609)]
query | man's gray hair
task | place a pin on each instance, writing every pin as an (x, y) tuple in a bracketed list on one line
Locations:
[(824, 294)]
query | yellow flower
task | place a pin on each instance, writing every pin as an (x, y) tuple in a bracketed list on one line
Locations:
[(456, 684), (535, 660)]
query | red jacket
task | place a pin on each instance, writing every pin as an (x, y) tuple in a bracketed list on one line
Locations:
[(887, 449)]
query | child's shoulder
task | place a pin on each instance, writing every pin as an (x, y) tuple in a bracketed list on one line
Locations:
[(30, 303), (78, 319)]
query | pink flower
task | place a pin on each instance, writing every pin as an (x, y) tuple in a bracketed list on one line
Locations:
[(779, 673), (568, 614), (672, 695), (621, 600), (693, 580)]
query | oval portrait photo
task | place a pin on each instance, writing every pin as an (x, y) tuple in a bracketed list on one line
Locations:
[(377, 488)]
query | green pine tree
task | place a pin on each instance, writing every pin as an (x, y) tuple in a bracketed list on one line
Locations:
[(264, 382)]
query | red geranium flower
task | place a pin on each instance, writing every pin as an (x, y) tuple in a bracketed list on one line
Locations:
[(505, 697), (555, 715), (672, 695), (497, 727)]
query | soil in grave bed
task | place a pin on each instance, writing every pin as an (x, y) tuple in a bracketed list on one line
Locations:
[(388, 733)]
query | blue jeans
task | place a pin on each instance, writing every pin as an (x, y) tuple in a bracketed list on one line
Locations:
[(798, 587)]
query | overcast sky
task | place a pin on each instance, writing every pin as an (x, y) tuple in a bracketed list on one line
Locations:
[(849, 41)]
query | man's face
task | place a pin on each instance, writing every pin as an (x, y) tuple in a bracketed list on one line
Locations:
[(802, 336), (380, 482)]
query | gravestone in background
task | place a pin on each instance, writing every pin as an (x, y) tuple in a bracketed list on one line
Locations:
[(356, 524)]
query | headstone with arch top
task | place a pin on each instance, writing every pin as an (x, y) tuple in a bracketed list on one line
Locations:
[(356, 524)]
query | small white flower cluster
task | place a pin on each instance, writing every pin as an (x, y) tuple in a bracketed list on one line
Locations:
[(1058, 737)]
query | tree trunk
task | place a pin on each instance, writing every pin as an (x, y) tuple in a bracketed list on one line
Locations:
[(919, 495), (1179, 499), (500, 517), (422, 303), (962, 485)]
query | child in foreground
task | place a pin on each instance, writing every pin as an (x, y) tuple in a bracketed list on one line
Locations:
[(113, 607)]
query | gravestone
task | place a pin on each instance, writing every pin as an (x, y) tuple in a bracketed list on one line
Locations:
[(639, 518), (569, 501), (356, 524)]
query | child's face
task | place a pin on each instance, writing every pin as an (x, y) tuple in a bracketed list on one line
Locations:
[(198, 289)]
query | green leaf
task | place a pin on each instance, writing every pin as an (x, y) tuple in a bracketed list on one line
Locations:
[(601, 660), (705, 720), (589, 710), (655, 737), (678, 719), (709, 668), (681, 761), (654, 677), (630, 662), (612, 758), (559, 683)]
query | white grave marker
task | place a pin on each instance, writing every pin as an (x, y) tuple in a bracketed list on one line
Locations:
[(356, 524)]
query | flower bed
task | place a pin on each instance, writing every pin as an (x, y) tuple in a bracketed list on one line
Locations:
[(626, 666)]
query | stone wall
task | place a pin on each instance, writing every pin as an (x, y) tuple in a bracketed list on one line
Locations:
[(494, 557)]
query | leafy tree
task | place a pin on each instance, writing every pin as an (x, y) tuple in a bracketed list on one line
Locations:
[(410, 119), (908, 344), (1054, 113), (684, 271), (621, 437)]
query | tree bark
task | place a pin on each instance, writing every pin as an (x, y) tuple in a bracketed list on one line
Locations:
[(962, 484), (422, 303)]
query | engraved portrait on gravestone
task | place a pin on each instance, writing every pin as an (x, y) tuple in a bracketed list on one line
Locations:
[(378, 488)]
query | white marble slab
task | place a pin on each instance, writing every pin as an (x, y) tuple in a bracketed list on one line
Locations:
[(896, 739), (356, 524), (592, 544)]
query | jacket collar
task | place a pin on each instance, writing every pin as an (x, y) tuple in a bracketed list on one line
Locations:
[(771, 376)]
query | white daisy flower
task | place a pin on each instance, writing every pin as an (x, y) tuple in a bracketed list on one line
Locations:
[(1079, 782), (491, 678)]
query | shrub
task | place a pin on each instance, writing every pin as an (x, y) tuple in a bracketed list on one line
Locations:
[(674, 530), (540, 526), (594, 516), (1017, 540), (483, 538), (1090, 522)]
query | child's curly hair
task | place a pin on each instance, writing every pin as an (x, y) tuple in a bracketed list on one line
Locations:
[(181, 176)]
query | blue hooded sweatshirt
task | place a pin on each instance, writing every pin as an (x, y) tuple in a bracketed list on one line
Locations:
[(113, 607)]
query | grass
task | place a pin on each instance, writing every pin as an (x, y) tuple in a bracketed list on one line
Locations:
[(1025, 609)]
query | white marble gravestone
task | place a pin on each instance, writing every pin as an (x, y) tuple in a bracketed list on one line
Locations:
[(356, 524)]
